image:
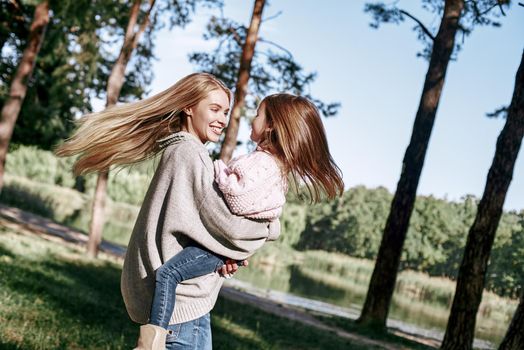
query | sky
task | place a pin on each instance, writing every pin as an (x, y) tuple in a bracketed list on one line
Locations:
[(377, 77)]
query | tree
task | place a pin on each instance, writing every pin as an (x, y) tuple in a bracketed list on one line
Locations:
[(114, 86), (180, 15), (457, 17), (248, 50), (74, 62), (514, 338), (18, 89), (12, 21), (254, 73), (472, 273), (505, 274), (350, 224)]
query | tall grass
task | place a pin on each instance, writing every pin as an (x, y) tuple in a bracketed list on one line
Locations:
[(413, 285), (126, 185), (68, 207), (418, 297), (39, 165)]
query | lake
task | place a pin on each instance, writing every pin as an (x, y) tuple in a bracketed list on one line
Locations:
[(420, 302)]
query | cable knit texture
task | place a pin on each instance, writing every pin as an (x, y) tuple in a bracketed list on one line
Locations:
[(253, 185), (182, 204)]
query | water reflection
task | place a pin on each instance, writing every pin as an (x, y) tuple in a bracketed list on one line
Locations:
[(303, 285), (349, 291)]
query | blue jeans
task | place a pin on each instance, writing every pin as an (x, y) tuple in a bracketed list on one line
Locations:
[(192, 335), (193, 261)]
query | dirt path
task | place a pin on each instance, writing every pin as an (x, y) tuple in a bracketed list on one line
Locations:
[(234, 290)]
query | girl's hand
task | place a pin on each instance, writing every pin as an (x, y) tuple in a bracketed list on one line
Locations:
[(230, 267)]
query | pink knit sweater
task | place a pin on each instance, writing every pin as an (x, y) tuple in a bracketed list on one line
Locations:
[(253, 185)]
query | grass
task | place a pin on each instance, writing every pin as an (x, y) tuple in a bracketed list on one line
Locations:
[(373, 333), (248, 328), (55, 298), (346, 272), (68, 207), (125, 185)]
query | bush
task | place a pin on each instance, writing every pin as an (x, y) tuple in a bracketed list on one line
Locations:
[(127, 185), (39, 165), (68, 207), (293, 223), (44, 199)]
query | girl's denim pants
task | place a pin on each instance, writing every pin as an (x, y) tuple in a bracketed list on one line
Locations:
[(193, 261)]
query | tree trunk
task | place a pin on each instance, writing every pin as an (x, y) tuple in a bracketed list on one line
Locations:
[(514, 339), (18, 88), (132, 36), (230, 141), (97, 215), (382, 284), (472, 273), (114, 86)]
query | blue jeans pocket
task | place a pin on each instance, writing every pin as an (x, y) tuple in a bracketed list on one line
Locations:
[(191, 335), (175, 332)]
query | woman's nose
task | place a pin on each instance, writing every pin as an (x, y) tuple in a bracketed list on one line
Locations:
[(223, 120)]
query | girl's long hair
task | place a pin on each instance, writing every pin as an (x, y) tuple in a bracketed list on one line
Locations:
[(297, 138), (128, 133)]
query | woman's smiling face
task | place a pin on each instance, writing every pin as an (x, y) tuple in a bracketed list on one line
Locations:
[(208, 118)]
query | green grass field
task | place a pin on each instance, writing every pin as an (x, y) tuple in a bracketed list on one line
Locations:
[(55, 298)]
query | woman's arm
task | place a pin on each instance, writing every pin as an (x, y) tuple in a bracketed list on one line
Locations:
[(214, 213)]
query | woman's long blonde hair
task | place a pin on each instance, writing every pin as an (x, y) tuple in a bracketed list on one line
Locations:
[(296, 136), (128, 133)]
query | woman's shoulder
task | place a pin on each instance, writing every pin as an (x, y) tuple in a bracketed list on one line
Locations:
[(186, 150), (183, 145)]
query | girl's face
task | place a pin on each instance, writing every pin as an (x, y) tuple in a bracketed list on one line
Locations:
[(208, 118), (259, 125)]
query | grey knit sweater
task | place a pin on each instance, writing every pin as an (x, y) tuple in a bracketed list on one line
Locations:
[(184, 204)]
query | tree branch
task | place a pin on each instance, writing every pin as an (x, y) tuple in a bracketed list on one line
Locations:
[(491, 8), (16, 4), (422, 26), (144, 23), (218, 50), (236, 36), (272, 17), (276, 45), (501, 9)]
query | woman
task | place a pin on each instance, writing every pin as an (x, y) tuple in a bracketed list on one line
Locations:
[(182, 205)]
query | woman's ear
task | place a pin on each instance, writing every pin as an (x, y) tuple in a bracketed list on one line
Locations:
[(188, 111)]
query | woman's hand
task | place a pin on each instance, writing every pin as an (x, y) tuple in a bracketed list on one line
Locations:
[(230, 267)]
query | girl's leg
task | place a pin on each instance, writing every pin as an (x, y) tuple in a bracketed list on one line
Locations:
[(191, 262)]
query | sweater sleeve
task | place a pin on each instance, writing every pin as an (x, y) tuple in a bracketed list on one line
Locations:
[(252, 185), (235, 231), (234, 180), (245, 174)]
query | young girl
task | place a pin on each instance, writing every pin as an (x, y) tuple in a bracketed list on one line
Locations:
[(291, 141)]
